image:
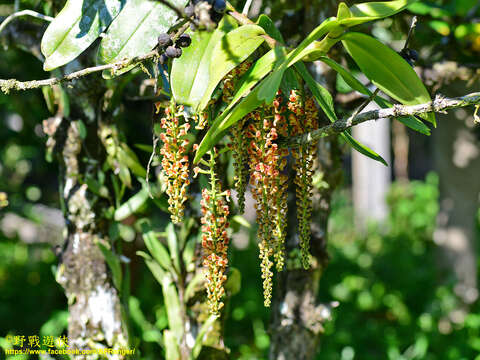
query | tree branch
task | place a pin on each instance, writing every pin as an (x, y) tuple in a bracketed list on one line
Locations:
[(438, 105), (12, 84), (31, 13)]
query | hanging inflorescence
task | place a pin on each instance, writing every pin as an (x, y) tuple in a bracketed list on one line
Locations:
[(214, 221), (175, 159), (269, 187), (302, 119), (239, 142), (259, 161)]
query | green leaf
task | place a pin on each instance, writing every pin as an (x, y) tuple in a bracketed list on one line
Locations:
[(387, 70), (197, 347), (267, 24), (325, 100), (131, 205), (343, 12), (131, 160), (191, 72), (264, 92), (269, 87), (113, 263), (75, 28), (232, 49), (370, 11), (154, 267), (172, 305), (134, 32), (156, 248), (173, 246), (410, 121)]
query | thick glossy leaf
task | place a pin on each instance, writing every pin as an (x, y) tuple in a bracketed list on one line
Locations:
[(387, 70), (410, 121), (269, 87), (267, 24), (131, 205), (343, 12), (134, 32), (264, 92), (325, 100), (75, 28), (191, 72), (370, 11), (232, 49)]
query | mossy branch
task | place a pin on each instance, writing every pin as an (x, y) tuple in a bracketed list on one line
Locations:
[(439, 105)]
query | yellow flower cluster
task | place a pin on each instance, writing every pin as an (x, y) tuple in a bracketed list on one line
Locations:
[(239, 142), (175, 160), (303, 118), (215, 240)]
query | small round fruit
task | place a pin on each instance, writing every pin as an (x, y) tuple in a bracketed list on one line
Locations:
[(183, 40), (164, 40), (219, 6), (413, 54), (173, 52)]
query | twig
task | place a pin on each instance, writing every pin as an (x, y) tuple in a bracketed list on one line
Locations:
[(440, 104), (12, 84), (246, 8), (17, 14), (410, 32), (180, 12)]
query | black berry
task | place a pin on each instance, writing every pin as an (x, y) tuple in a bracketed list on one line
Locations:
[(219, 6), (413, 54), (173, 52), (164, 40), (184, 40)]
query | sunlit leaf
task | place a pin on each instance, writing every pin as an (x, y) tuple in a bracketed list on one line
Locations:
[(232, 49), (75, 28), (387, 70), (410, 121), (325, 100), (131, 205), (191, 72), (134, 32), (370, 11)]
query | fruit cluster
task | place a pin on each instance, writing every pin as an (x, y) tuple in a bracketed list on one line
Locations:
[(171, 50)]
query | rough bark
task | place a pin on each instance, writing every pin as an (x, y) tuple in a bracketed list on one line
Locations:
[(297, 317), (94, 303)]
